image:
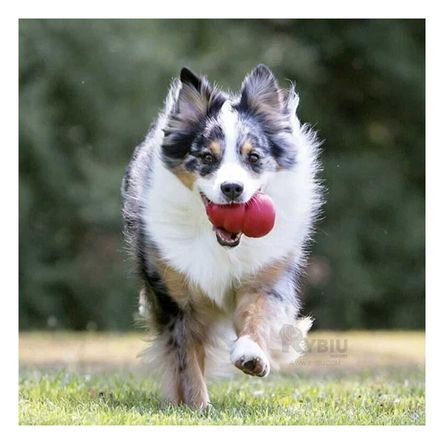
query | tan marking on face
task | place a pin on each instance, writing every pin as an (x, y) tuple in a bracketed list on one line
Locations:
[(186, 177), (246, 148), (216, 148)]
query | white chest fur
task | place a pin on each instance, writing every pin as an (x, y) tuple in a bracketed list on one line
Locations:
[(175, 219)]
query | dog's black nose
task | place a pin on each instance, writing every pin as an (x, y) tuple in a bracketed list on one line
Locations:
[(232, 189)]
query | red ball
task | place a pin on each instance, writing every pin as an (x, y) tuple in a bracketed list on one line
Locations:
[(254, 219), (259, 216), (229, 217)]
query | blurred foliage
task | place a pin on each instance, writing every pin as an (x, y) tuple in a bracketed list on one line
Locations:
[(89, 90)]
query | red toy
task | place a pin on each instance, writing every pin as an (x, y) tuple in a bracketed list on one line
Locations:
[(254, 219)]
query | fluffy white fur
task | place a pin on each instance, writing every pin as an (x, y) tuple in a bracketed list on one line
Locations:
[(245, 349), (175, 217)]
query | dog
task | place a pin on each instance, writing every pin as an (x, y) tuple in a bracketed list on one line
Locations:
[(202, 286)]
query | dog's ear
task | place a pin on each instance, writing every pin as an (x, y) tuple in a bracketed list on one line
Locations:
[(194, 96), (262, 98), (189, 77), (260, 91), (196, 100)]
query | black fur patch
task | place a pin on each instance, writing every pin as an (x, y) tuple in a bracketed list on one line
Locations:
[(201, 146), (188, 76), (164, 307)]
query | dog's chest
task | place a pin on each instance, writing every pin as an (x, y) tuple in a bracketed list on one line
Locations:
[(178, 225), (175, 219), (191, 248)]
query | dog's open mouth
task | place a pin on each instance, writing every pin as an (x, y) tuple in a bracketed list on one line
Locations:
[(224, 237)]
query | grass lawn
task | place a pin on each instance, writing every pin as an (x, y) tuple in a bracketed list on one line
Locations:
[(375, 378)]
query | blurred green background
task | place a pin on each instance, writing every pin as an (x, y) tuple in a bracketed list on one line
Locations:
[(89, 90)]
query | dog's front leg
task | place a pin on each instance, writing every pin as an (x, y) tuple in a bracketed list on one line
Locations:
[(249, 352), (191, 354), (183, 379)]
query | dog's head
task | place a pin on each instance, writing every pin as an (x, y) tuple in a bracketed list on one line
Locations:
[(226, 147)]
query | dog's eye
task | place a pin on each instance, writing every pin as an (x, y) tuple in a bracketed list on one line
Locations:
[(208, 158), (253, 158)]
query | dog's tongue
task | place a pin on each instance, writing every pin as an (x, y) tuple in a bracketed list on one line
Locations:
[(254, 219)]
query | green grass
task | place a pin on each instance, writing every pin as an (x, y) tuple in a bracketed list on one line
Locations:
[(96, 378), (389, 397)]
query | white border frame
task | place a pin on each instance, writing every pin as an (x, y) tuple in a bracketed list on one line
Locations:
[(206, 9)]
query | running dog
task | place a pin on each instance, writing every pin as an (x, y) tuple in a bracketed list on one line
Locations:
[(202, 284)]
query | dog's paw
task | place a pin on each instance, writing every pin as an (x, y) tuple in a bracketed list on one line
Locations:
[(247, 356)]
